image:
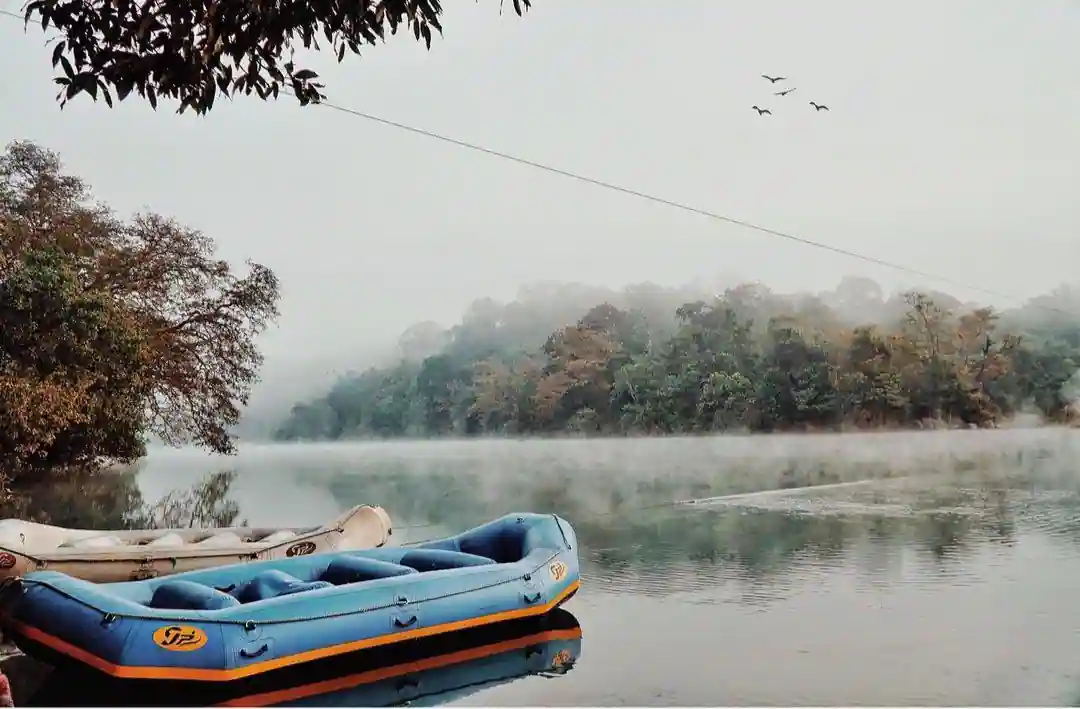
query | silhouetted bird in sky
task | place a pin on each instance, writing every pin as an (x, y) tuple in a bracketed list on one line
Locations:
[(761, 111), (785, 92), (773, 79), (820, 107)]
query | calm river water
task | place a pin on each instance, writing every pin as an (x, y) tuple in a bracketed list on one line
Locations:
[(875, 569)]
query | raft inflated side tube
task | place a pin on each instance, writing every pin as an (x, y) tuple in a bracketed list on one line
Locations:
[(233, 622), (449, 666)]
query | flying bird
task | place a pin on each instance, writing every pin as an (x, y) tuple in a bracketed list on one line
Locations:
[(772, 79), (819, 106), (785, 92), (761, 111)]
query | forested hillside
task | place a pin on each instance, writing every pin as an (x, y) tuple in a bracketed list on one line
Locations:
[(650, 360)]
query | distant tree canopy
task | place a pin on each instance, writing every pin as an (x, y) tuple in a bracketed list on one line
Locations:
[(653, 360), (193, 51), (111, 329)]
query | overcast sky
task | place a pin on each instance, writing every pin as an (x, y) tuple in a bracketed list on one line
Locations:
[(952, 145)]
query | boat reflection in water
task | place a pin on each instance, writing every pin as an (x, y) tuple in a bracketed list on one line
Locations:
[(442, 668)]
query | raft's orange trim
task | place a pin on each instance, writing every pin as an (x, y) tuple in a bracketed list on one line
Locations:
[(209, 675), (360, 678)]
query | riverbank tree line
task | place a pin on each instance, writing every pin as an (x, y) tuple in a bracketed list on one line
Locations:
[(112, 329), (639, 361)]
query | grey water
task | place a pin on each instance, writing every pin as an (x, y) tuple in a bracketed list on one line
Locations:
[(929, 568)]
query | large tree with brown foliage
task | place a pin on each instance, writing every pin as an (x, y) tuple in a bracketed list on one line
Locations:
[(73, 372), (191, 319), (194, 50)]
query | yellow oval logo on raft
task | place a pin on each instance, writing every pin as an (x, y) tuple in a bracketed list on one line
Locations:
[(182, 638), (558, 570)]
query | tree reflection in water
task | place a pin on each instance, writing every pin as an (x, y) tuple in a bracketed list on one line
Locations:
[(112, 500), (927, 524)]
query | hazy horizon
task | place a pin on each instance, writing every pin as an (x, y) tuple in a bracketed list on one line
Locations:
[(950, 147)]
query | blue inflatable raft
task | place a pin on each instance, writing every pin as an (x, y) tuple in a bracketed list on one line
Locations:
[(236, 622)]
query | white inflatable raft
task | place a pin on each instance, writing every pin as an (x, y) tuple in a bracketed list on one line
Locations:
[(107, 556)]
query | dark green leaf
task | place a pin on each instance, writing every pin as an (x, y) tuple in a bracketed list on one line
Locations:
[(123, 88), (89, 84), (57, 51)]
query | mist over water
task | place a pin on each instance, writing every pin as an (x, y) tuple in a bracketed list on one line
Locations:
[(884, 569)]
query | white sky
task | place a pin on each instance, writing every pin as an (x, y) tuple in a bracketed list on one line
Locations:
[(952, 145)]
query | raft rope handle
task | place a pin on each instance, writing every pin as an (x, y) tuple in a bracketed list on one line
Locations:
[(564, 539), (244, 623)]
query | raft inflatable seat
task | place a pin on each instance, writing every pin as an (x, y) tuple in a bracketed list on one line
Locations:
[(233, 622)]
